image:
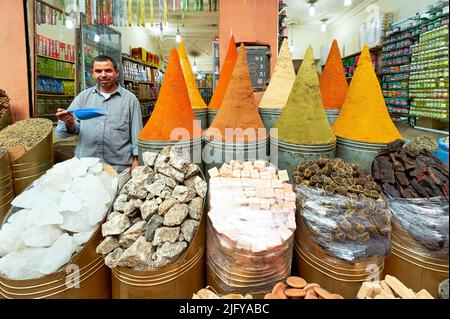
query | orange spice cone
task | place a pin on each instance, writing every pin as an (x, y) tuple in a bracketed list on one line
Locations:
[(303, 120), (364, 116), (194, 94), (333, 84), (225, 75), (239, 109), (173, 108), (283, 78)]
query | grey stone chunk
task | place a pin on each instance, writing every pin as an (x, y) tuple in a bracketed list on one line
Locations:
[(170, 182), (171, 172), (161, 262), (136, 219), (190, 182), (166, 205), (200, 186), (170, 251), (149, 158), (176, 215), (188, 229), (140, 171), (115, 226), (159, 200), (132, 234), (161, 160), (196, 208), (122, 198), (113, 214), (112, 259), (137, 193), (139, 254), (183, 193), (119, 206), (443, 290), (148, 209), (156, 187), (178, 162), (164, 234), (150, 196), (192, 170), (107, 245), (153, 224), (167, 191), (131, 206)]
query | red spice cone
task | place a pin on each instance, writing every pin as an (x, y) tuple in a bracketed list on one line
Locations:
[(364, 116), (225, 75), (239, 109), (333, 84), (173, 108)]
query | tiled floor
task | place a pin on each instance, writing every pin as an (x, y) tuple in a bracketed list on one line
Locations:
[(409, 132)]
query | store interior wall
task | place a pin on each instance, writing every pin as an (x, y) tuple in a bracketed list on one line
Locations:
[(136, 37), (346, 29), (13, 57)]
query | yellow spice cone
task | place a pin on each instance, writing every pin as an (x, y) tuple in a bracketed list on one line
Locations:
[(194, 94), (364, 116), (303, 120), (283, 78)]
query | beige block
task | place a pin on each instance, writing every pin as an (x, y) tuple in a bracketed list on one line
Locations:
[(277, 184), (236, 173), (365, 291), (255, 174), (399, 288), (246, 173), (386, 295), (265, 175), (260, 165), (248, 165), (213, 172), (283, 176), (287, 187), (225, 166), (424, 294), (386, 288)]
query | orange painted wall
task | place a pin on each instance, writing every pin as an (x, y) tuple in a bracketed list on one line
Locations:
[(13, 60), (249, 21)]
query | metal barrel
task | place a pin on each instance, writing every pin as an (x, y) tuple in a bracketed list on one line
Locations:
[(287, 156), (212, 115), (215, 153), (192, 147), (202, 116), (332, 115), (360, 153), (415, 266), (269, 117), (6, 185), (33, 163)]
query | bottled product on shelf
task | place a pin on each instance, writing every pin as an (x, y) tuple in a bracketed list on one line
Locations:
[(429, 72)]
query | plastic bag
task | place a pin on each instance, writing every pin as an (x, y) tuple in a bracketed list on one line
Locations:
[(425, 220), (346, 228)]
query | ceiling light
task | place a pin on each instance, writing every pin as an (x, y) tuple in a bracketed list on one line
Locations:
[(96, 38), (312, 10), (178, 37), (347, 3), (323, 26), (195, 67), (70, 24)]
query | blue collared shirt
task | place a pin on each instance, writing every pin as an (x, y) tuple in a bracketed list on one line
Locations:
[(112, 138)]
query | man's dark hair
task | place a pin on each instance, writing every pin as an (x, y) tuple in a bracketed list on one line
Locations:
[(105, 58)]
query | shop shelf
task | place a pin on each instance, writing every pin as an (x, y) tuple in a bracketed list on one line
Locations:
[(55, 77), (410, 37), (139, 62), (57, 59), (55, 95)]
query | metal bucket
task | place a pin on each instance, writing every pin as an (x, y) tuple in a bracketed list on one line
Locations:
[(191, 147), (63, 151), (179, 280), (215, 153), (202, 116), (360, 153), (212, 113), (413, 266), (85, 276), (6, 185), (33, 163), (288, 155), (5, 118), (332, 115), (313, 264), (269, 117)]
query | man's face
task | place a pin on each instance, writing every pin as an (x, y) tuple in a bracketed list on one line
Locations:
[(105, 74)]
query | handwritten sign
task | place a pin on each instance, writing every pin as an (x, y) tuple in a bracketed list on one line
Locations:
[(258, 60)]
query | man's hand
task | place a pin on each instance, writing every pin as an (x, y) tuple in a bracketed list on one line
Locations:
[(67, 118), (135, 163)]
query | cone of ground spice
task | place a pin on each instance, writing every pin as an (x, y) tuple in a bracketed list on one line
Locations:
[(364, 116), (283, 78), (333, 84), (225, 75), (303, 120), (194, 94), (239, 108), (173, 107)]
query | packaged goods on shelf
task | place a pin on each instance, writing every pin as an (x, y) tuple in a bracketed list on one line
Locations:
[(156, 214), (298, 288), (251, 222), (390, 288), (54, 218)]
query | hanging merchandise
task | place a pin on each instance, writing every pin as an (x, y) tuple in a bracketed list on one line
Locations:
[(108, 12), (130, 12), (165, 12), (210, 5), (161, 13), (142, 13), (151, 13), (216, 3), (88, 11)]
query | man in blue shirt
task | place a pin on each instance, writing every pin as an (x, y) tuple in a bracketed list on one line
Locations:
[(112, 138)]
